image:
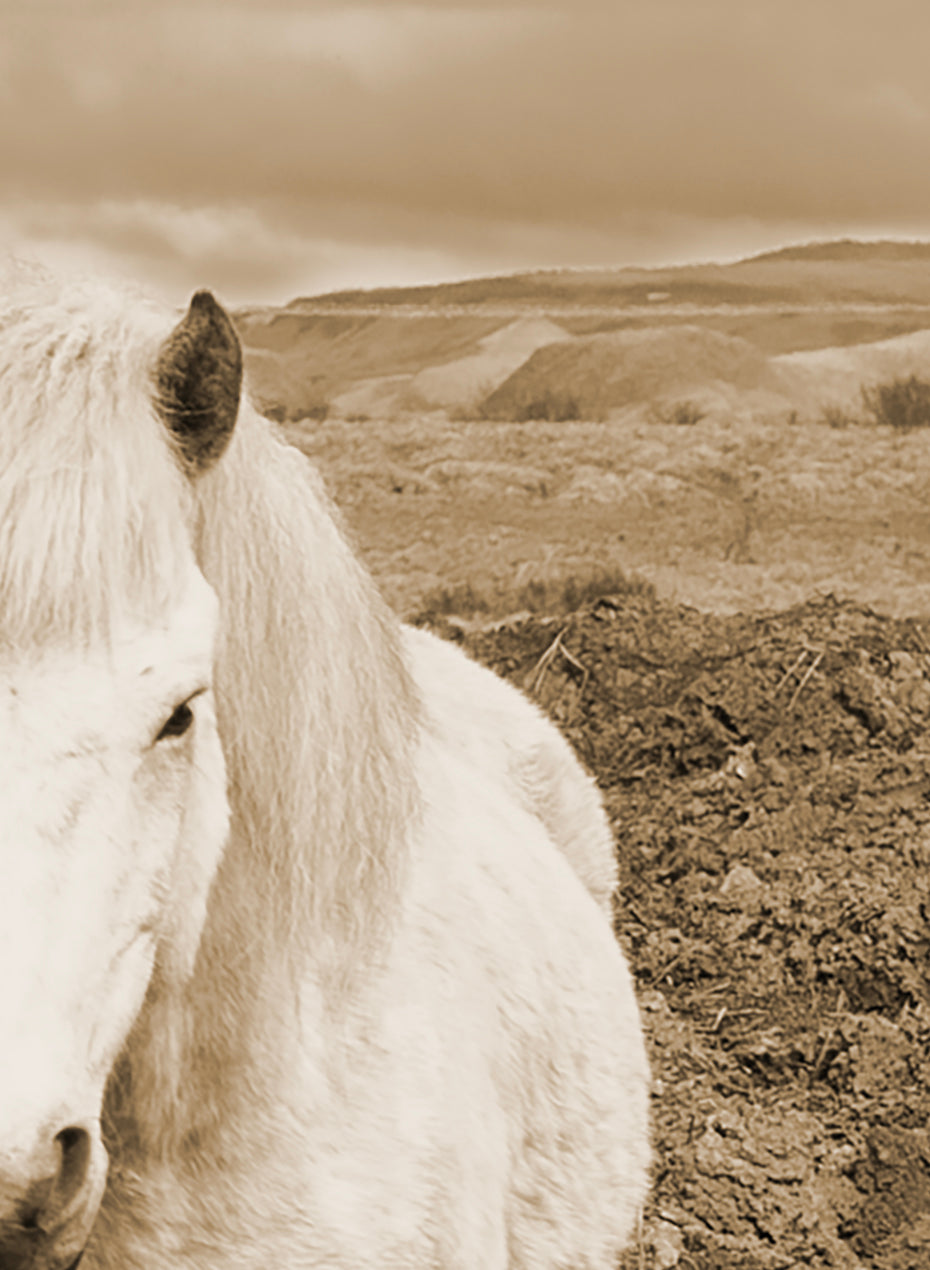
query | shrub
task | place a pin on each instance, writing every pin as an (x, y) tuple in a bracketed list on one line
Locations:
[(550, 407), (684, 414), (282, 412), (837, 417), (318, 411), (900, 403)]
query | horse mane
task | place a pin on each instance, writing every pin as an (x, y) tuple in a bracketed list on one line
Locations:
[(316, 709), (319, 722), (85, 477)]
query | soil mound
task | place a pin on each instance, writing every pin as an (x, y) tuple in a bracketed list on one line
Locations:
[(768, 778), (466, 381), (598, 373), (298, 363)]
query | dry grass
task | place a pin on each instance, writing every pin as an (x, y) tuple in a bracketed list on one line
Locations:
[(552, 592), (683, 414), (739, 511), (551, 407), (837, 417)]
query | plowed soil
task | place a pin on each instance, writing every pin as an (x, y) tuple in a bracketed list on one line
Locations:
[(768, 778)]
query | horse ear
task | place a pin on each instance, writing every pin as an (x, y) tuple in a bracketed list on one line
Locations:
[(198, 379)]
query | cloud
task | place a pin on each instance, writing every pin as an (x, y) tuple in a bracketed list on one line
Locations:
[(236, 251), (251, 255), (239, 134), (556, 113)]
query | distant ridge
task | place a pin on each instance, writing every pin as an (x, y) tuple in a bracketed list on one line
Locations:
[(839, 271), (527, 288), (451, 346), (610, 286), (847, 249)]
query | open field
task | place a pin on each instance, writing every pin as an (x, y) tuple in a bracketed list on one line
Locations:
[(676, 426), (735, 512)]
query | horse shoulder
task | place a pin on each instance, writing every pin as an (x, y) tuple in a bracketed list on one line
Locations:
[(499, 729)]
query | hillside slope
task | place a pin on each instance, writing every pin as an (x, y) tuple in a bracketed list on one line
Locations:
[(402, 350), (594, 375)]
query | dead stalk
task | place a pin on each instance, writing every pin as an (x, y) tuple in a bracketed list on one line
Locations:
[(546, 660), (810, 671), (790, 671)]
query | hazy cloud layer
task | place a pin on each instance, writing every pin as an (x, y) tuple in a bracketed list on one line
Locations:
[(271, 148)]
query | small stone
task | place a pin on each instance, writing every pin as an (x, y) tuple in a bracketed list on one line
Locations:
[(741, 879), (668, 1243)]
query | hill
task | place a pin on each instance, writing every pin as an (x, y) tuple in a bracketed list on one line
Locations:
[(588, 377), (453, 346), (849, 249), (844, 271)]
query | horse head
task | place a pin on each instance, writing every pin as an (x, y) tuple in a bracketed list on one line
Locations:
[(113, 812)]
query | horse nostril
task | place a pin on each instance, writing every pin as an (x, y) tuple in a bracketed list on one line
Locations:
[(74, 1145), (75, 1148), (46, 1223)]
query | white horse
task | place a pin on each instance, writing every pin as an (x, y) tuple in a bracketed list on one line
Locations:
[(305, 952)]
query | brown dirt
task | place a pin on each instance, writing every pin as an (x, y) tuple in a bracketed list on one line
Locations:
[(768, 778)]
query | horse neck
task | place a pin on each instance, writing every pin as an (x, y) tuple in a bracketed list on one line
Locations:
[(319, 723)]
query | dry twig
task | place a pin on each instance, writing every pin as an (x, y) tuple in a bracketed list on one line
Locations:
[(795, 665), (547, 658), (794, 669), (808, 673)]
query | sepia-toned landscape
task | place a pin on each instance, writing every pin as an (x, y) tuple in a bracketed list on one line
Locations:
[(608, 328), (702, 428), (667, 504)]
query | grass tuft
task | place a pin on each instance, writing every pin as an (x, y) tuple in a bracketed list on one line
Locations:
[(550, 407), (545, 593), (683, 414)]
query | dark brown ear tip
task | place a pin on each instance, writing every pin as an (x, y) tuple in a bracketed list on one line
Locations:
[(204, 307), (205, 303)]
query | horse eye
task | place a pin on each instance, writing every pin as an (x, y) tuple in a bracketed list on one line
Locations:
[(178, 724)]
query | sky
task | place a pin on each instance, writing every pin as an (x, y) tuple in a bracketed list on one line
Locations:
[(269, 148)]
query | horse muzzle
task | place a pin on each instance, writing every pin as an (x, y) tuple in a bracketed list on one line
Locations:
[(46, 1226)]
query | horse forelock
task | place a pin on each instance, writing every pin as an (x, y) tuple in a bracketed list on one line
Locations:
[(92, 506), (318, 713)]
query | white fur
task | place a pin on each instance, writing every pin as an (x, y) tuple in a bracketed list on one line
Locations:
[(501, 731), (93, 852), (380, 1021)]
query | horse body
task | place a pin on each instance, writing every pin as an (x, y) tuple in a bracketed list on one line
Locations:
[(362, 1006)]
